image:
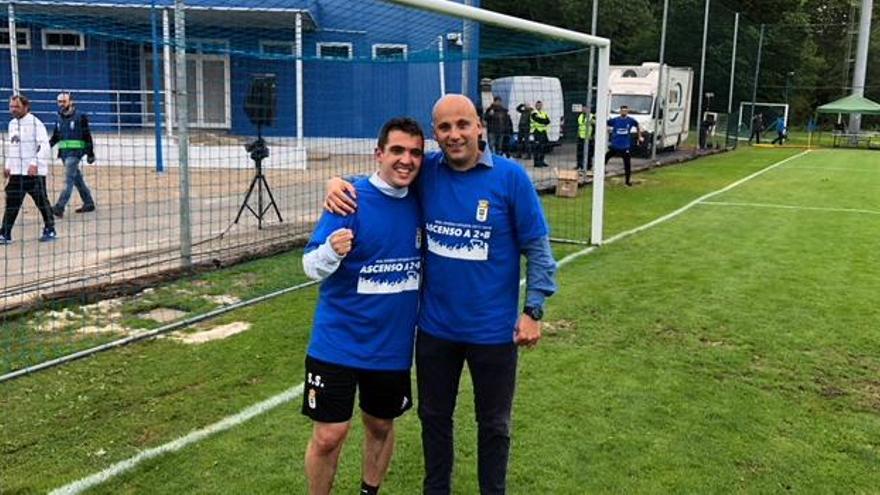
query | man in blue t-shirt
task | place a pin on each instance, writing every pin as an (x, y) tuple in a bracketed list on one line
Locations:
[(364, 325), (780, 130), (481, 214), (621, 128)]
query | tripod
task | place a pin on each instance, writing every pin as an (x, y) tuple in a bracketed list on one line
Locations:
[(259, 151)]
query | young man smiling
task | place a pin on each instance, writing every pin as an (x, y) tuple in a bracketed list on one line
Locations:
[(364, 325)]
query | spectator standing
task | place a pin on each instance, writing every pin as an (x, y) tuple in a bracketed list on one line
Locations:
[(540, 125), (496, 117), (586, 135), (524, 127)]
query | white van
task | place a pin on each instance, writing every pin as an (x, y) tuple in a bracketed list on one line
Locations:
[(515, 90)]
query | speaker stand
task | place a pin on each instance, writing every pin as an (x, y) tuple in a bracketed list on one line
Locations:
[(258, 153)]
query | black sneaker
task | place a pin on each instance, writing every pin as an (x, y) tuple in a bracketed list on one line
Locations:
[(85, 209), (58, 212), (49, 235)]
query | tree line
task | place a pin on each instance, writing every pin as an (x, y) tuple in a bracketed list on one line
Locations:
[(806, 59)]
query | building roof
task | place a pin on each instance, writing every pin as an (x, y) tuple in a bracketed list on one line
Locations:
[(268, 14)]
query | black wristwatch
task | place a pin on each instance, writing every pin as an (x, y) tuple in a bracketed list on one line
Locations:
[(534, 312)]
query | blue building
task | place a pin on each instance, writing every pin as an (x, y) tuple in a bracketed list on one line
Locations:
[(362, 61)]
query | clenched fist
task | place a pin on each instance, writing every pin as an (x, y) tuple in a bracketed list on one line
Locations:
[(341, 241)]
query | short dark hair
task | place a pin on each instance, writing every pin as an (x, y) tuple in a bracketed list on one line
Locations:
[(22, 99), (624, 106), (403, 124)]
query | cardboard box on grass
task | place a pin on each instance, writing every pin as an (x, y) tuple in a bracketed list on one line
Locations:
[(566, 183)]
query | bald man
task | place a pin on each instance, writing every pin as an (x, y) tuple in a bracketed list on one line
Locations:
[(481, 213)]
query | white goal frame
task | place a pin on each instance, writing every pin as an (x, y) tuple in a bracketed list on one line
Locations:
[(745, 104), (603, 46)]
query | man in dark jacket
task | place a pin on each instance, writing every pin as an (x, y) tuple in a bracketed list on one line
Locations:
[(524, 130), (74, 141), (496, 122), (757, 128)]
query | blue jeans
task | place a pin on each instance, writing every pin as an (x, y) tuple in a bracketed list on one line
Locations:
[(73, 177)]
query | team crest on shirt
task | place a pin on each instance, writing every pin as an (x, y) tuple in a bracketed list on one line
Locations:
[(482, 210)]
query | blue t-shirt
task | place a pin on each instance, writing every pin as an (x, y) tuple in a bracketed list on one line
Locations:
[(475, 223), (621, 127), (780, 125), (367, 309)]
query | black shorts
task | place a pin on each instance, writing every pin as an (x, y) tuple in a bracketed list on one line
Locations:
[(330, 389)]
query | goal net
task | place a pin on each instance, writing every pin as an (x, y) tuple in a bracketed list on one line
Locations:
[(764, 115), (177, 92)]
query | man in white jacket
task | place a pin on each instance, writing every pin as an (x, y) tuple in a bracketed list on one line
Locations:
[(27, 163)]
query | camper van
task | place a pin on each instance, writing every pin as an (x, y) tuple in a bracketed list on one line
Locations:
[(515, 90), (636, 87)]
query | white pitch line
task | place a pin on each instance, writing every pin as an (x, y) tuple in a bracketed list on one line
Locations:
[(833, 169), (792, 207), (669, 216), (231, 421), (226, 423)]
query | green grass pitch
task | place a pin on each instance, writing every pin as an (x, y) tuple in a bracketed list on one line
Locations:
[(732, 349)]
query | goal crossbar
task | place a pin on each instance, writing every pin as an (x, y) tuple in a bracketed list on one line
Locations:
[(602, 94)]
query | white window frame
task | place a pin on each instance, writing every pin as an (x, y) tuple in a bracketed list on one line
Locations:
[(198, 43), (276, 43), (200, 82), (390, 45), (334, 44), (21, 46), (199, 59), (79, 48)]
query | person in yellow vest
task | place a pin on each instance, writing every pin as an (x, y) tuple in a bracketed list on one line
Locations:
[(540, 124), (586, 134)]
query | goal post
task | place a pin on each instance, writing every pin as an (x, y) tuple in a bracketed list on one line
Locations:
[(603, 46)]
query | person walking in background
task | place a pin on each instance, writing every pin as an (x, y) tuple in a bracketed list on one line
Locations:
[(496, 117), (540, 124), (74, 141), (780, 130), (586, 135), (621, 128), (364, 325), (757, 128), (27, 164), (524, 131)]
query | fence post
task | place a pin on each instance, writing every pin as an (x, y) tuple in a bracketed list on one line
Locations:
[(157, 72), (183, 134), (13, 50), (118, 115)]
